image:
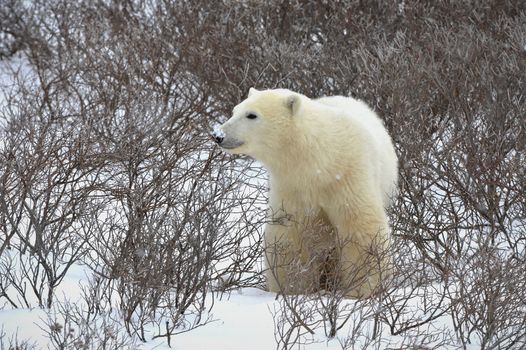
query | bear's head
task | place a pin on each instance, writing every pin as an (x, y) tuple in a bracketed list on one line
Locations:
[(262, 125)]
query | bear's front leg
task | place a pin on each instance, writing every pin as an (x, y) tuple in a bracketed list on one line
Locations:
[(289, 270), (279, 246), (362, 244)]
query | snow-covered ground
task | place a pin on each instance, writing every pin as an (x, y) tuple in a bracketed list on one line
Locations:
[(239, 321), (243, 319)]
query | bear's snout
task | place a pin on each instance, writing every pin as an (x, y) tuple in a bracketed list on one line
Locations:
[(225, 140), (218, 138), (218, 135)]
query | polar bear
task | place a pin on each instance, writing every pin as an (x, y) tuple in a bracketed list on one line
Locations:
[(332, 172)]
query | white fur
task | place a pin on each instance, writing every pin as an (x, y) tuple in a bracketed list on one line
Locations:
[(387, 164), (330, 160)]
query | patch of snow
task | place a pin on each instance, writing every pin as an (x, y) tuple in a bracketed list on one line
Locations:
[(24, 323)]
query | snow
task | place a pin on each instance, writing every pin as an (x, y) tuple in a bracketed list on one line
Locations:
[(243, 319), (240, 321), (24, 324)]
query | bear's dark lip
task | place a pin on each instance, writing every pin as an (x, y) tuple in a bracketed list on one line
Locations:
[(231, 145)]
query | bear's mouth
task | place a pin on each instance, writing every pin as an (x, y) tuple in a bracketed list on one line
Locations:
[(224, 141), (230, 144)]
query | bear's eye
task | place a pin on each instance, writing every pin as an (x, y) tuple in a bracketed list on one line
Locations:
[(251, 116)]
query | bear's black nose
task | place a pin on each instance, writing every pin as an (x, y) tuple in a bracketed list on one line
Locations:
[(218, 135), (218, 138)]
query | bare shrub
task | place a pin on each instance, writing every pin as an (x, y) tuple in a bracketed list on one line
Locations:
[(45, 186), (69, 327), (107, 162), (13, 343)]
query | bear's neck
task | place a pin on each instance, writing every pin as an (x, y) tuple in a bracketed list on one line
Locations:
[(302, 156), (299, 163), (303, 153)]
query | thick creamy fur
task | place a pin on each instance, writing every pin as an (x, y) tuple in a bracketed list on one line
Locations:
[(331, 165)]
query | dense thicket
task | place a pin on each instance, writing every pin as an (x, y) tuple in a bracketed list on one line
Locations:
[(105, 157)]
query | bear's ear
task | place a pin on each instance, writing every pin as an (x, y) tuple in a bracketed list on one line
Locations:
[(252, 91), (293, 103)]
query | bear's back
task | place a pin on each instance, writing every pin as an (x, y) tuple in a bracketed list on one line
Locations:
[(387, 171)]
